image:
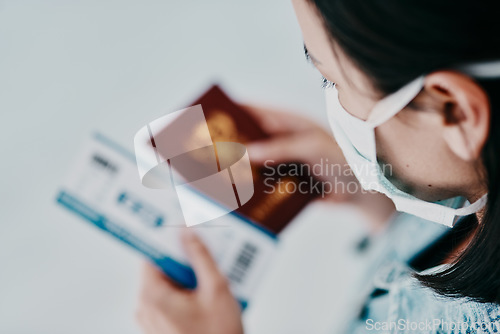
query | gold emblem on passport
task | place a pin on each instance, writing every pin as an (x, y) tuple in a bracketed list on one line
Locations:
[(221, 127)]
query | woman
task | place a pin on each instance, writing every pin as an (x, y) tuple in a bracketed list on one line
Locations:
[(417, 86)]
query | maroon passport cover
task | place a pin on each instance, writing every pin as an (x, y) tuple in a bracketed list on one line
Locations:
[(274, 202)]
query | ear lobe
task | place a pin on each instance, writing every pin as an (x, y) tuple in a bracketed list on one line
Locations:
[(466, 112)]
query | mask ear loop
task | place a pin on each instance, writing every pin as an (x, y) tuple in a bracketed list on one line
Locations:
[(394, 103), (473, 207)]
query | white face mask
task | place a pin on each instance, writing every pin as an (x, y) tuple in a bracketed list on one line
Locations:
[(356, 138)]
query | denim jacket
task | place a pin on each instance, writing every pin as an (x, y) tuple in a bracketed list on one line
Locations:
[(404, 305)]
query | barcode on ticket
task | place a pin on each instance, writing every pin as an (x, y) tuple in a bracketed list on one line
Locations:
[(243, 262)]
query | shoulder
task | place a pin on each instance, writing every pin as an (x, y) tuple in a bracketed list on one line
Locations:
[(424, 311)]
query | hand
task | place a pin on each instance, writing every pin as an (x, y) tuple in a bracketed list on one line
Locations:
[(299, 139), (165, 308)]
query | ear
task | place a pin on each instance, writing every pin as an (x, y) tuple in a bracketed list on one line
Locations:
[(466, 112)]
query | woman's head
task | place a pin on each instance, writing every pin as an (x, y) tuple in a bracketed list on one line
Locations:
[(444, 143)]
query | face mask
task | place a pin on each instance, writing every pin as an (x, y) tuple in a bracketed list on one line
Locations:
[(356, 138)]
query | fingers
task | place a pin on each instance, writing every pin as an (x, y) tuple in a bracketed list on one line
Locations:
[(157, 285), (158, 288), (276, 121), (158, 293), (302, 147), (208, 275), (152, 276)]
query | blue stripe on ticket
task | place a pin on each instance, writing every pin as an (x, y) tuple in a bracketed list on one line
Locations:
[(178, 272)]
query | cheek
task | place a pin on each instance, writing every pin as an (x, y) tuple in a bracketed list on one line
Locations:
[(412, 154), (356, 103)]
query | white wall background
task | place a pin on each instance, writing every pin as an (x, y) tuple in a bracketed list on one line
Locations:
[(70, 67)]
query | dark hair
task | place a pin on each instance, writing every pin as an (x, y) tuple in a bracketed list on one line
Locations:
[(393, 42)]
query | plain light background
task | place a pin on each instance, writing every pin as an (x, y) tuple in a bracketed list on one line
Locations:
[(68, 68)]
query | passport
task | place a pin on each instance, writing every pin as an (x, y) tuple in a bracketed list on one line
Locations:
[(276, 200)]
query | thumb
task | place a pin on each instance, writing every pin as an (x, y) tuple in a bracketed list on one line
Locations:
[(208, 275)]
